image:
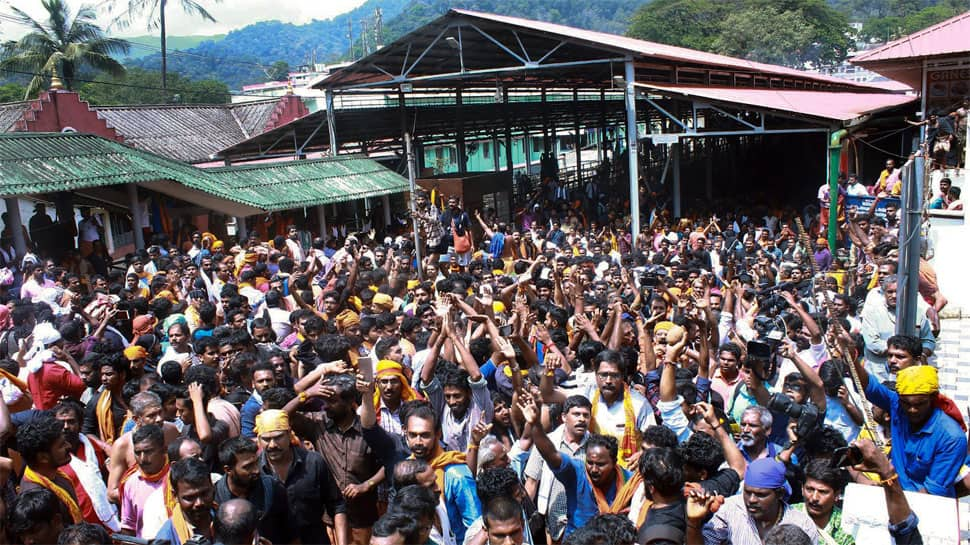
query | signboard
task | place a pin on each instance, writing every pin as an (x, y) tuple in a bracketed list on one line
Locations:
[(946, 88), (866, 518), (664, 138), (864, 203)]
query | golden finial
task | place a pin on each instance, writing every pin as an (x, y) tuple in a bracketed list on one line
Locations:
[(56, 83)]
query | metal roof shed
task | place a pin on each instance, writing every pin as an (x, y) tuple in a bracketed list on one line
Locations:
[(465, 54)]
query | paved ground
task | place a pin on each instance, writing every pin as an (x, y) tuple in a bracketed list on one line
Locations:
[(953, 352)]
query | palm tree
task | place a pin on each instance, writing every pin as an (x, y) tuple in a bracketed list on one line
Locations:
[(156, 18), (61, 45)]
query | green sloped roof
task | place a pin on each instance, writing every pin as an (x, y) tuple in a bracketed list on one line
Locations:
[(32, 163), (46, 162), (293, 184)]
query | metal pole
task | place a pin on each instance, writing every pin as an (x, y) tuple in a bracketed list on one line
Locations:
[(909, 247), (412, 181), (579, 147), (631, 139), (508, 132), (460, 140), (15, 224), (136, 219), (386, 204), (331, 124), (675, 150), (832, 159)]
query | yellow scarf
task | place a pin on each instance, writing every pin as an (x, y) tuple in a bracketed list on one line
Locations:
[(58, 491), (106, 420), (181, 526), (440, 459), (630, 442), (621, 502)]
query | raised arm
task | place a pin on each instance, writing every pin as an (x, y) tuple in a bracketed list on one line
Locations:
[(816, 389), (548, 451)]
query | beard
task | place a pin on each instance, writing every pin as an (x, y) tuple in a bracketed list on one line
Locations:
[(747, 440)]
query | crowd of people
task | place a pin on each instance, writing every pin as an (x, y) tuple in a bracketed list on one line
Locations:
[(550, 379)]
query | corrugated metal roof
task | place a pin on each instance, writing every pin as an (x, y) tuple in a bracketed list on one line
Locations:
[(654, 49), (188, 133), (44, 162), (32, 163), (950, 37), (311, 182), (837, 106)]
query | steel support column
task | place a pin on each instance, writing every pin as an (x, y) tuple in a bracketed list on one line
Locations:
[(460, 140), (136, 219), (386, 204), (508, 133), (331, 123), (576, 131), (412, 176), (709, 169), (15, 223), (675, 149), (907, 286), (632, 149)]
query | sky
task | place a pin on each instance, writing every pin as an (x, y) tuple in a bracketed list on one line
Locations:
[(229, 15)]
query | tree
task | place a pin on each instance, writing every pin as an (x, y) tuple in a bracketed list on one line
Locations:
[(278, 71), (63, 45), (156, 19), (685, 23), (141, 86), (12, 92), (790, 32)]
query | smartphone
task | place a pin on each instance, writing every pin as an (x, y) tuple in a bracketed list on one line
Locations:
[(365, 364), (123, 315), (505, 330), (846, 456)]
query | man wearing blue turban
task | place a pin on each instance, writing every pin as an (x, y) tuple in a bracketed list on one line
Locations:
[(762, 504)]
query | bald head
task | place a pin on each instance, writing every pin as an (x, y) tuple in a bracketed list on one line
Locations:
[(235, 523)]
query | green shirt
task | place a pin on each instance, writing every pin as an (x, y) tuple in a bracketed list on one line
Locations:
[(833, 528)]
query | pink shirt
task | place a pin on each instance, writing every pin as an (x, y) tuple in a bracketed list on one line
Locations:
[(136, 493)]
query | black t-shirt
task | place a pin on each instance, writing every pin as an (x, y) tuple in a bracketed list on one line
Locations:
[(725, 482), (674, 515)]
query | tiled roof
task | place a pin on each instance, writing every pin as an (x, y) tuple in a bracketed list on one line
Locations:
[(949, 37), (10, 113), (188, 133)]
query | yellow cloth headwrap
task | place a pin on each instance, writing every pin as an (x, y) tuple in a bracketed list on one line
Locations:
[(272, 420), (383, 301), (920, 379), (135, 352), (663, 326), (413, 284), (390, 368)]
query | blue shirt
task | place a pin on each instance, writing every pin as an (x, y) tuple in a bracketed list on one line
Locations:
[(461, 499), (248, 413), (928, 458), (580, 499)]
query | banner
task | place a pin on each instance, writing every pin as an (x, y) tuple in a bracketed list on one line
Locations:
[(863, 204)]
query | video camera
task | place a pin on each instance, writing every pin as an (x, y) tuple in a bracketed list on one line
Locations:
[(807, 416)]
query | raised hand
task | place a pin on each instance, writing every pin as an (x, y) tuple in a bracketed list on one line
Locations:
[(530, 411), (480, 431)]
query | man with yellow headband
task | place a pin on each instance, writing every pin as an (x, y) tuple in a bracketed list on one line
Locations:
[(928, 444), (310, 486), (393, 389)]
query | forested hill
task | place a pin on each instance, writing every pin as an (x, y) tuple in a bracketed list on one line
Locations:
[(792, 32), (237, 59)]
